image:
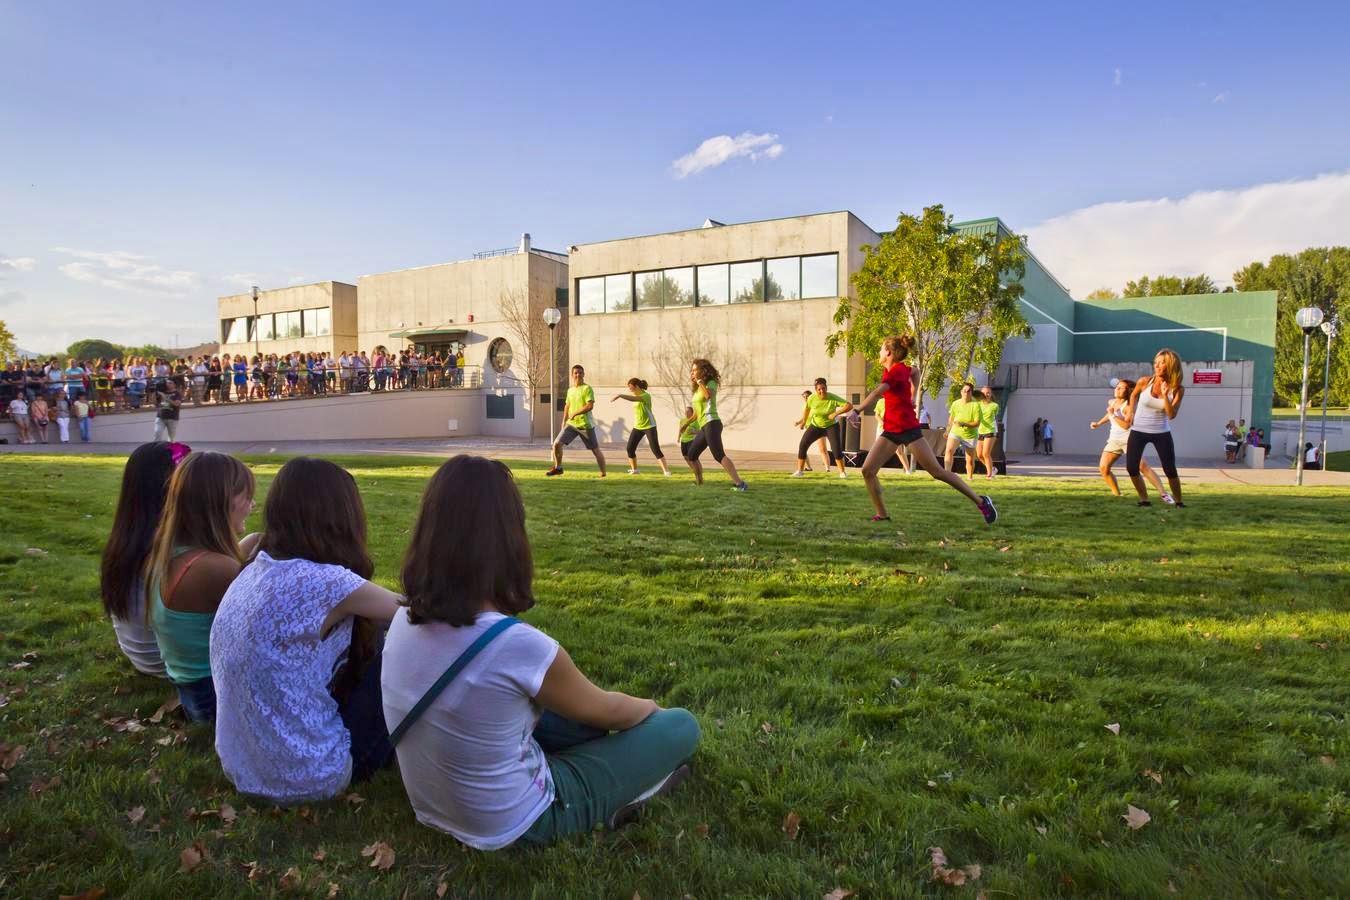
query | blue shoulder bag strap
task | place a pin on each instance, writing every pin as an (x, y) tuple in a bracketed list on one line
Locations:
[(448, 676)]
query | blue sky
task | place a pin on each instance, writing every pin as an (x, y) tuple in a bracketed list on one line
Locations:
[(155, 156)]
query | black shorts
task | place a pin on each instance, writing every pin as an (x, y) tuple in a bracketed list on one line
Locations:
[(684, 447), (709, 437), (571, 432), (903, 438)]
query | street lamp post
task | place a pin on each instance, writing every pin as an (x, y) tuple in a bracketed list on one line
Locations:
[(1329, 328), (551, 318), (256, 351), (1308, 318)]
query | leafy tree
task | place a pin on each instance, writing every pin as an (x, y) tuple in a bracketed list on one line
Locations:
[(1102, 293), (955, 292), (1170, 286), (7, 346), (1318, 276), (148, 351), (529, 364), (93, 348)]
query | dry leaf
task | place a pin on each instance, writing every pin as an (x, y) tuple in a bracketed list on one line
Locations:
[(1114, 728), (1172, 888), (290, 880), (152, 776), (792, 823), (1041, 829), (11, 756), (1135, 817), (38, 785), (228, 814), (35, 551), (333, 889), (1005, 549), (441, 889), (838, 894), (91, 894), (1327, 760), (191, 859), (382, 855), (1156, 776), (949, 875), (354, 799), (167, 706), (136, 814), (701, 830), (320, 855), (765, 727)]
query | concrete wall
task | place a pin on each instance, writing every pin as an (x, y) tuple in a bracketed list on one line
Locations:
[(769, 352), (1073, 395), (449, 295), (335, 295), (398, 414)]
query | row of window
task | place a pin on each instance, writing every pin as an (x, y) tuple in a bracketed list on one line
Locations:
[(755, 281), (277, 326)]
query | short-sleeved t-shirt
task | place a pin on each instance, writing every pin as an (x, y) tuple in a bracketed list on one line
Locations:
[(964, 411), (705, 410), (689, 429), (278, 731), (988, 417), (577, 397), (470, 764), (898, 412), (642, 411), (18, 407), (819, 409)]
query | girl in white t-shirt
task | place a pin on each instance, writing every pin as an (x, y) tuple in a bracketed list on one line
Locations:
[(518, 746), (295, 648)]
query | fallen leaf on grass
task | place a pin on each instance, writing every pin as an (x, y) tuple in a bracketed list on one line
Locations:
[(354, 799), (136, 814), (35, 551), (382, 855), (1041, 829), (701, 830), (290, 879), (228, 814), (1156, 776), (11, 755), (792, 823), (765, 727), (38, 785), (1005, 549), (91, 894), (1327, 760), (838, 894), (320, 855), (950, 875), (441, 889), (1114, 728), (167, 706), (192, 858), (333, 889), (152, 776), (1135, 817)]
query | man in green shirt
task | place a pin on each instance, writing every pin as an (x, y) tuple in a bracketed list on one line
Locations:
[(963, 422), (577, 422)]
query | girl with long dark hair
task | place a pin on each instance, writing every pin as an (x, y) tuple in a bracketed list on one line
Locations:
[(195, 555), (295, 645), (514, 743), (704, 382), (900, 427), (644, 425), (145, 480)]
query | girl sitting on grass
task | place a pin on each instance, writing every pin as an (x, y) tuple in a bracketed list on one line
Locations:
[(479, 760), (195, 555), (287, 727), (145, 480)]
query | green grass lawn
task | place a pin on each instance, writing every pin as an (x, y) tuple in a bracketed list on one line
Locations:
[(927, 683)]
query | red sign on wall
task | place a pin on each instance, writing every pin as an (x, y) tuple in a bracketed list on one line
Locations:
[(1206, 376)]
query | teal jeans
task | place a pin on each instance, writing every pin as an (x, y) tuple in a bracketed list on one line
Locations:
[(595, 773)]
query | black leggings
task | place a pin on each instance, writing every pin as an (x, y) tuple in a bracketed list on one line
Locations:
[(813, 434), (709, 437), (635, 438), (1162, 442)]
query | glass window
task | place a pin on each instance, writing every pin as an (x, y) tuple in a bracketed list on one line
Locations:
[(310, 322), (292, 323), (619, 292), (783, 278), (747, 282), (590, 295), (648, 290), (679, 284), (269, 328), (712, 285), (499, 355), (820, 275), (235, 331), (325, 316)]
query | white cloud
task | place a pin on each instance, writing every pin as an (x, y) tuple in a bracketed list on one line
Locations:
[(298, 279), (246, 279), (1215, 232), (723, 148), (1118, 77), (17, 263), (1220, 97), (124, 271)]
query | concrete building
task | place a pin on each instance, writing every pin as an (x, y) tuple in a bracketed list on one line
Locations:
[(308, 318)]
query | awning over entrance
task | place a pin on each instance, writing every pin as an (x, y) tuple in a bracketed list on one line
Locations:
[(448, 332)]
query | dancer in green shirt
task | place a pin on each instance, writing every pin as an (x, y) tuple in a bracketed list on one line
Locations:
[(577, 422), (643, 425), (963, 423)]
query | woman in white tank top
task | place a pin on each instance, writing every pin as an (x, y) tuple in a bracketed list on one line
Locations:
[(1117, 411), (1155, 402)]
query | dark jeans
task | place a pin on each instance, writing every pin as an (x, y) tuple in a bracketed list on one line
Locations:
[(198, 699), (362, 713)]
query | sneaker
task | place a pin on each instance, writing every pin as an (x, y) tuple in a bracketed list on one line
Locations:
[(740, 488), (667, 473), (632, 471), (843, 474), (556, 470), (629, 812), (879, 518), (988, 511), (797, 475), (1168, 499)]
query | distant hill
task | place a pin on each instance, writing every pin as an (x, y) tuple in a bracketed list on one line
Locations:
[(209, 349)]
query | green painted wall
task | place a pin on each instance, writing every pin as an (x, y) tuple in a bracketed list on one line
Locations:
[(1248, 316)]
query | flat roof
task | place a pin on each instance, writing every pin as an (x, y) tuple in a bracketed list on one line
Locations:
[(634, 237), (547, 254)]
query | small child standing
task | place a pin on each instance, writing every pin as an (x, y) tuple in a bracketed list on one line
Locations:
[(689, 431), (82, 419)]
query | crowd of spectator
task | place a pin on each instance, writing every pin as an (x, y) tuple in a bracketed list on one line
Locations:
[(35, 389)]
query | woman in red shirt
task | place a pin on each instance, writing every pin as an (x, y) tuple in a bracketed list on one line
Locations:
[(900, 427)]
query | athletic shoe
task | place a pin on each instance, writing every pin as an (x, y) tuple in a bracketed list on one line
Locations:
[(1168, 499), (629, 812), (797, 475), (632, 471), (556, 470), (667, 473), (879, 518), (988, 511), (843, 474), (741, 488)]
